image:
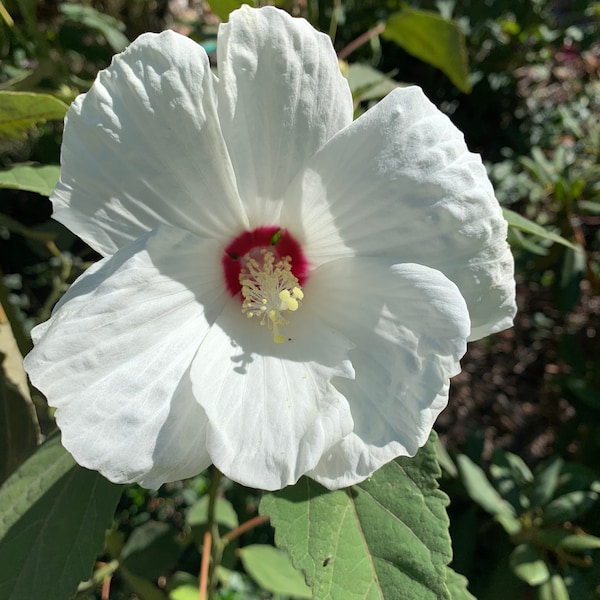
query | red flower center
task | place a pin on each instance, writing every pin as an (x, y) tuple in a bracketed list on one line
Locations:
[(266, 268), (251, 244)]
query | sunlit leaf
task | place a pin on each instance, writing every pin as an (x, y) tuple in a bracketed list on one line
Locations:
[(272, 570), (19, 111), (222, 8), (367, 83), (434, 40), (40, 179), (224, 513), (554, 589), (569, 506), (386, 534), (521, 223), (580, 543), (54, 516), (480, 489), (528, 564), (457, 586)]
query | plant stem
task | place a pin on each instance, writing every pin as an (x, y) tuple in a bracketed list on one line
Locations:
[(360, 40), (333, 23), (250, 524), (212, 546)]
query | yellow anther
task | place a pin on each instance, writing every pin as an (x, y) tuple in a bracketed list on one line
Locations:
[(269, 289), (292, 304)]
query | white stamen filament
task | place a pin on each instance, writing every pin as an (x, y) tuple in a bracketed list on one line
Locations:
[(269, 289)]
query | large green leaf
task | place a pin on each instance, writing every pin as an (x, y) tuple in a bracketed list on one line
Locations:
[(31, 178), (433, 39), (19, 111), (52, 525), (386, 534)]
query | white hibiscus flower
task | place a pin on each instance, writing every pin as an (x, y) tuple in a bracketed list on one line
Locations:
[(283, 291)]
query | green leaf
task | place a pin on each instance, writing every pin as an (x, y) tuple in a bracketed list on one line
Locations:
[(545, 482), (444, 459), (528, 564), (433, 39), (151, 550), (510, 475), (111, 28), (40, 179), (569, 506), (182, 585), (224, 513), (19, 111), (19, 429), (52, 525), (479, 488), (554, 589), (185, 591), (457, 586), (142, 587), (222, 8), (368, 83), (521, 223), (386, 534), (580, 543), (272, 570), (572, 273)]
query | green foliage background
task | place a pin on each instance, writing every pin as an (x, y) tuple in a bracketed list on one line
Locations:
[(519, 474)]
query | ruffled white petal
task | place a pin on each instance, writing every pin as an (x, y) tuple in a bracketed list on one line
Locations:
[(409, 324), (400, 183), (281, 97), (144, 147), (114, 358), (272, 410)]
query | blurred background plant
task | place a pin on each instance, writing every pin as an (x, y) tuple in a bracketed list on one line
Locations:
[(520, 439)]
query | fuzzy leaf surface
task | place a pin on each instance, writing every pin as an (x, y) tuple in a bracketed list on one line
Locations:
[(386, 534)]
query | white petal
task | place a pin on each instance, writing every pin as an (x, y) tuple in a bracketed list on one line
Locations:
[(271, 408), (281, 97), (144, 147), (409, 324), (400, 183), (114, 358)]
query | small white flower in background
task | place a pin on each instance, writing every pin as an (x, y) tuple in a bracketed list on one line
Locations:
[(283, 291)]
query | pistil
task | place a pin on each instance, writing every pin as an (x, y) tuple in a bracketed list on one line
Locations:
[(269, 289)]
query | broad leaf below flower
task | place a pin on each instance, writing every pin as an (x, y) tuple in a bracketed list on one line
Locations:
[(388, 533), (52, 523)]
